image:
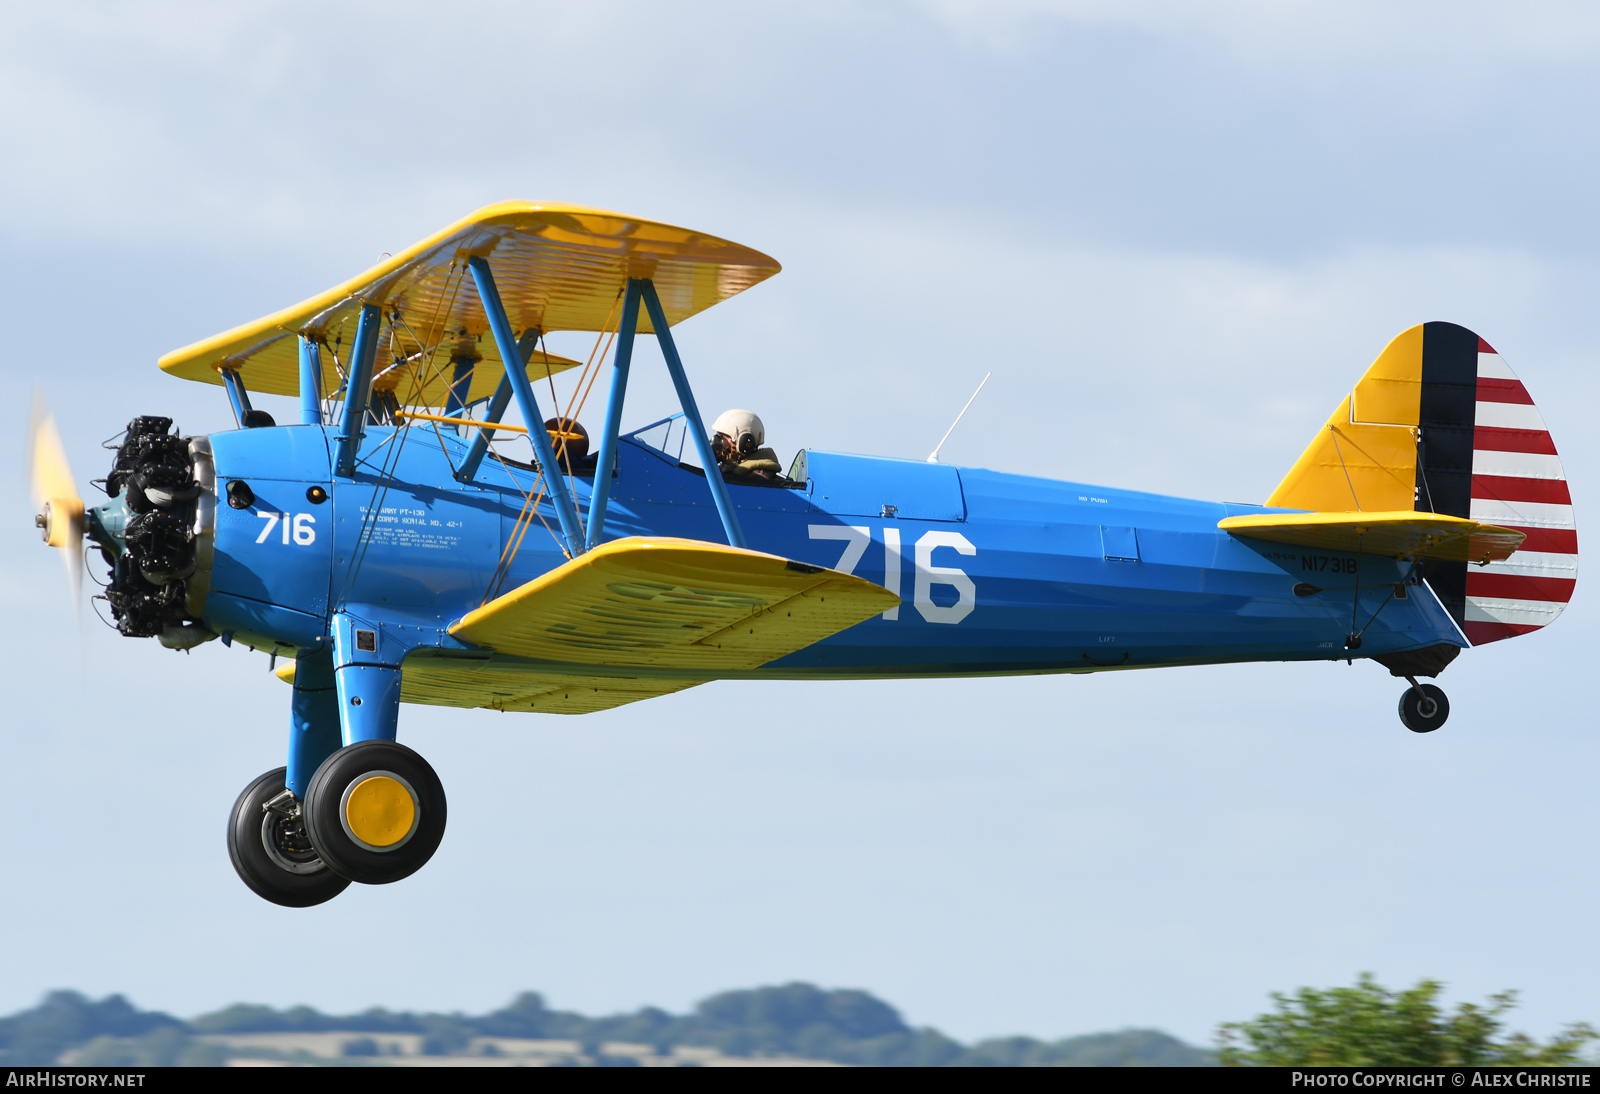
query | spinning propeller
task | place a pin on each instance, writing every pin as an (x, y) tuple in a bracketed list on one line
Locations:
[(60, 509)]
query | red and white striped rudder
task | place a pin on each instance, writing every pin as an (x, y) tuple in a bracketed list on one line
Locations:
[(1517, 482)]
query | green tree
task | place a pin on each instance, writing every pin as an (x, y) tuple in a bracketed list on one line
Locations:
[(1369, 1025)]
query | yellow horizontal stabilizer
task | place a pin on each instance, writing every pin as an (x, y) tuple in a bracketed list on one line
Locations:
[(558, 267), (673, 603), (1400, 534)]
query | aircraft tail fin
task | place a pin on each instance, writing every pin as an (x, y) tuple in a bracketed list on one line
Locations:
[(1440, 424)]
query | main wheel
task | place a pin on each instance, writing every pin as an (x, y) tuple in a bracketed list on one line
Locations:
[(270, 850), (1426, 712), (375, 812)]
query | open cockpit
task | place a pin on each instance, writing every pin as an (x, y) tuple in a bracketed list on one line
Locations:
[(668, 439)]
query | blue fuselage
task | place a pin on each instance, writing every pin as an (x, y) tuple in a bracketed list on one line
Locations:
[(998, 573)]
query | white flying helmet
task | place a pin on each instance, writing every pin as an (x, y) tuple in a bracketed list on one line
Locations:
[(743, 428)]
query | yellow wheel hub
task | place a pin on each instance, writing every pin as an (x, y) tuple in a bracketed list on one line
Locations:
[(380, 811)]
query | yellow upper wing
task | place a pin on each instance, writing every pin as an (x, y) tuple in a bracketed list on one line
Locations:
[(558, 267), (1401, 534), (673, 603)]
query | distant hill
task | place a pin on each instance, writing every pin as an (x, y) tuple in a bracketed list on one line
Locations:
[(798, 1021)]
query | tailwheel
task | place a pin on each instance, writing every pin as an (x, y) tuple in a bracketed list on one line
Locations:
[(270, 850), (375, 811), (1423, 707)]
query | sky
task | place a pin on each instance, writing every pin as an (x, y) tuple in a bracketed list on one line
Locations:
[(1175, 232)]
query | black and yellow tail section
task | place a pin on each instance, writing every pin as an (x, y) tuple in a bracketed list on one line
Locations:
[(1402, 439), (1439, 424)]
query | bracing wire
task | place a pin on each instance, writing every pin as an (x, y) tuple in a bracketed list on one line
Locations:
[(563, 421), (380, 493), (385, 477), (1347, 481), (514, 541)]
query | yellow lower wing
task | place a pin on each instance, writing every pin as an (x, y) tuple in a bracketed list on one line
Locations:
[(509, 685), (675, 606), (1400, 534), (443, 681), (673, 603)]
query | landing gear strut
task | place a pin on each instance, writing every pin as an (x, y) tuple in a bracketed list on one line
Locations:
[(1423, 707)]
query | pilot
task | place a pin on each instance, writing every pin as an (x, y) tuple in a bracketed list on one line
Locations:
[(737, 446)]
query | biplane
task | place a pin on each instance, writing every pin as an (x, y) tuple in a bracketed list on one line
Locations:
[(400, 544)]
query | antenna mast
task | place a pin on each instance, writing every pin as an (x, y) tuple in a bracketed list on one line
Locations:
[(933, 457)]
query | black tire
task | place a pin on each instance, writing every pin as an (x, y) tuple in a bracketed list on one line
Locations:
[(268, 856), (1426, 712), (329, 824)]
